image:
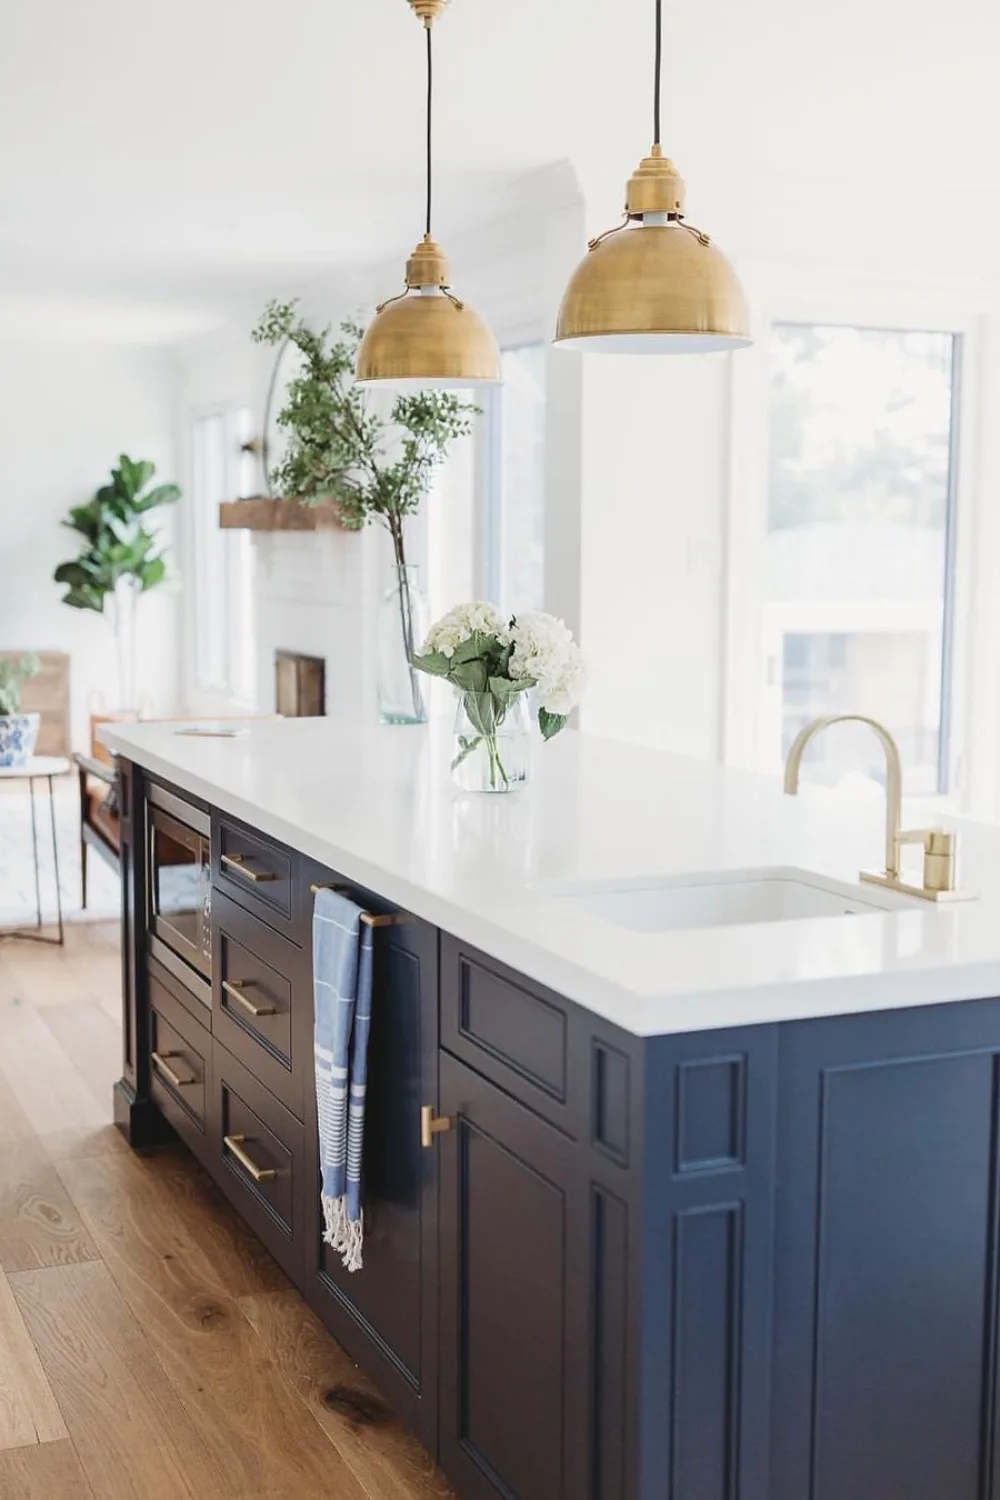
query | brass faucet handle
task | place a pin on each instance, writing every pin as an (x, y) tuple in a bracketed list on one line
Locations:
[(940, 847)]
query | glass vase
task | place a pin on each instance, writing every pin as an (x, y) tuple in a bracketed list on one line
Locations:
[(492, 744), (123, 605), (403, 622)]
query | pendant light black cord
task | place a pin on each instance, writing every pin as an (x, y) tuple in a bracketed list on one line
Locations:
[(658, 65), (430, 119)]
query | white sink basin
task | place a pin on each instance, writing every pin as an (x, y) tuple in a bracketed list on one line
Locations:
[(729, 898)]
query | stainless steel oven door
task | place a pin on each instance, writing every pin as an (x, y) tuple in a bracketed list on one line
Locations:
[(180, 889)]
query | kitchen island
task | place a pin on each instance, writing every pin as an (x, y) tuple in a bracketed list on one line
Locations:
[(688, 1214)]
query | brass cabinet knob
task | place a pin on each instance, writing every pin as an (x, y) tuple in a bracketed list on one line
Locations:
[(431, 1125)]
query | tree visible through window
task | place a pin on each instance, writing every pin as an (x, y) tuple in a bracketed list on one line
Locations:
[(857, 557)]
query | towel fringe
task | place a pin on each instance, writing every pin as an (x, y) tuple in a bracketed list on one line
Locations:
[(343, 1234)]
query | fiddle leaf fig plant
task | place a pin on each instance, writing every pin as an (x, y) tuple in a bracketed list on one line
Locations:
[(120, 558), (117, 543), (13, 674)]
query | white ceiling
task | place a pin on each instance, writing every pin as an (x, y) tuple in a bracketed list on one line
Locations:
[(189, 155)]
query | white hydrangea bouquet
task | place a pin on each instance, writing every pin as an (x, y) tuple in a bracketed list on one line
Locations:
[(492, 662)]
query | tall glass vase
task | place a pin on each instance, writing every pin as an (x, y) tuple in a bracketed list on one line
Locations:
[(123, 603), (403, 622)]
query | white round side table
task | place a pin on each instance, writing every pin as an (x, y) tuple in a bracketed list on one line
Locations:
[(39, 768)]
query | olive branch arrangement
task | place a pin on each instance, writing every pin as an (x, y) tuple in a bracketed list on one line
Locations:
[(340, 449)]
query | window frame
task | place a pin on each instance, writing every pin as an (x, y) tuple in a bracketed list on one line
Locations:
[(969, 708), (488, 516), (236, 689)]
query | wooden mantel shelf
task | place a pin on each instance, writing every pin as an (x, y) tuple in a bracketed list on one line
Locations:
[(264, 514)]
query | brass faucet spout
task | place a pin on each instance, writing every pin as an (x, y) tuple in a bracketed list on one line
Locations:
[(893, 778)]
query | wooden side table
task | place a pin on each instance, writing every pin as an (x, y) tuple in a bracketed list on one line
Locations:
[(40, 768)]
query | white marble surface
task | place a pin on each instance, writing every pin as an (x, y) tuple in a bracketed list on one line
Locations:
[(37, 765), (376, 804)]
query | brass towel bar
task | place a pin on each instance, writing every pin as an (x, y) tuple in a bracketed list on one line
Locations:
[(390, 919)]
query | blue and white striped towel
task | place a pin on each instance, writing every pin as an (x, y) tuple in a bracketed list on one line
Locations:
[(342, 988)]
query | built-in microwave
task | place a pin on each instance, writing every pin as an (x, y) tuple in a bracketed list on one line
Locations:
[(180, 878)]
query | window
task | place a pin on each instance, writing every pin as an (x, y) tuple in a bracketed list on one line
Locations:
[(223, 655), (858, 557), (514, 482)]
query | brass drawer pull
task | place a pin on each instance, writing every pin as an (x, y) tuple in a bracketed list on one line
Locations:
[(234, 1144), (236, 863), (431, 1125), (234, 989), (159, 1060)]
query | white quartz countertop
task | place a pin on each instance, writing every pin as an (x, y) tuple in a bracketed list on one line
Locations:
[(376, 804)]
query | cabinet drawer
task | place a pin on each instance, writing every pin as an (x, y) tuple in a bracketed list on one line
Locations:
[(186, 987), (565, 1064), (179, 1050), (259, 873), (259, 1160), (512, 1031), (262, 1008)]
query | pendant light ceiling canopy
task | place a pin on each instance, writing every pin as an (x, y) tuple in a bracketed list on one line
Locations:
[(654, 284), (426, 339)]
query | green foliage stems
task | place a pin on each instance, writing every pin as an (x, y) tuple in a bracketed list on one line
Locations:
[(12, 675), (117, 543), (339, 448)]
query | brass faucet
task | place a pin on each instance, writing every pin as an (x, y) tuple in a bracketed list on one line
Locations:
[(940, 846)]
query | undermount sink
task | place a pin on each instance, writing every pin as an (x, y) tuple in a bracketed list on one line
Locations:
[(729, 898)]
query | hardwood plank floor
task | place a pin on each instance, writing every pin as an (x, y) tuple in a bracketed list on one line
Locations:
[(389, 1462), (132, 1433), (39, 1226), (149, 1346), (28, 1410), (49, 1471)]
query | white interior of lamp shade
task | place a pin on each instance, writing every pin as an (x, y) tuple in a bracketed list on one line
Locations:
[(429, 383), (656, 343)]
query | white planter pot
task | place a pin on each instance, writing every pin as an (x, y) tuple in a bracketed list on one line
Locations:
[(18, 733)]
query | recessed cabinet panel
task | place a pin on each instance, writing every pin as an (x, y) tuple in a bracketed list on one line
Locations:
[(513, 1245), (386, 1314), (512, 1342), (258, 1159), (178, 1066), (711, 1114), (707, 1294), (886, 1291), (260, 874), (515, 1032), (262, 1001), (610, 1375)]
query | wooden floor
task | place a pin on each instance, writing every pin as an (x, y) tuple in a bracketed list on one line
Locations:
[(149, 1348)]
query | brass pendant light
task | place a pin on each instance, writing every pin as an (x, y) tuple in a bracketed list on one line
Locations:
[(426, 339), (654, 284)]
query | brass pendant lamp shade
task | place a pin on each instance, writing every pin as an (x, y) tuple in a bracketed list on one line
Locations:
[(426, 339), (654, 284)]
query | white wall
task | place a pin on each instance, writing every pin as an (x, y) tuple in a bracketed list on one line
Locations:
[(66, 412)]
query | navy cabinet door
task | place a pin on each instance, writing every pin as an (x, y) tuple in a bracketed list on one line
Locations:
[(514, 1324), (386, 1315), (887, 1257)]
